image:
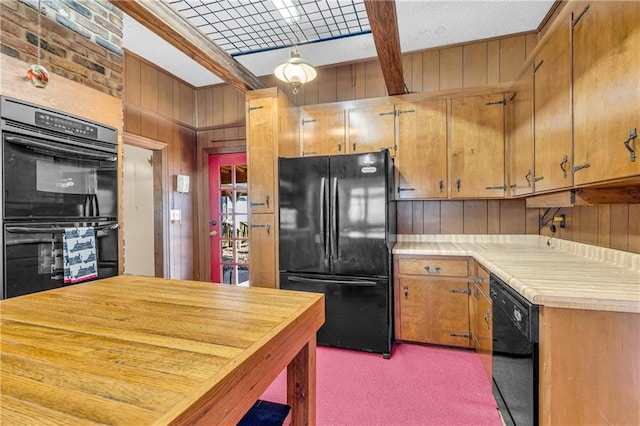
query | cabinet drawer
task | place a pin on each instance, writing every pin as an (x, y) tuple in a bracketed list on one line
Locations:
[(434, 267)]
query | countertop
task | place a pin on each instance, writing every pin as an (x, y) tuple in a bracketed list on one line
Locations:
[(559, 274), (137, 350)]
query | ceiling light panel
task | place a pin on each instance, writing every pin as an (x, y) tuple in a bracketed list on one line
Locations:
[(248, 26)]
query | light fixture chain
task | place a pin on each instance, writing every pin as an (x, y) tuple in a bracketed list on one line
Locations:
[(39, 31)]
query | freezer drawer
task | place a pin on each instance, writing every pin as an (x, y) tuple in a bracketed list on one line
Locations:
[(357, 310)]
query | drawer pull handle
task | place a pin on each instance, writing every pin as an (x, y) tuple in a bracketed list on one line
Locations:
[(266, 203), (406, 291), (479, 279), (627, 144), (463, 335), (436, 270), (465, 291), (262, 226), (486, 317), (563, 165)]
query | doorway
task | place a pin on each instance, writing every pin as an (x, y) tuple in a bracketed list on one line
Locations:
[(160, 248), (228, 221), (138, 210)]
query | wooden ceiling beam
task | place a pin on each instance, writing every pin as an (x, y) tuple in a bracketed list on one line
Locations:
[(384, 27), (159, 18)]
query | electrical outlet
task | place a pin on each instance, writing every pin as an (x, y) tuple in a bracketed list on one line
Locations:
[(175, 215), (560, 220)]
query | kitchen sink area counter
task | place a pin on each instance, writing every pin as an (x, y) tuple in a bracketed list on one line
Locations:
[(562, 274)]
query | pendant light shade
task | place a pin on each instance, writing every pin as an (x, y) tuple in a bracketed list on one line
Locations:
[(295, 71)]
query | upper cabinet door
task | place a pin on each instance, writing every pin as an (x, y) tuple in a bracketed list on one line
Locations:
[(477, 147), (421, 161), (261, 155), (519, 141), (372, 129), (606, 90), (552, 112), (322, 131)]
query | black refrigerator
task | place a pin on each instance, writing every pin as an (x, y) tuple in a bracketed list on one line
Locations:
[(337, 229)]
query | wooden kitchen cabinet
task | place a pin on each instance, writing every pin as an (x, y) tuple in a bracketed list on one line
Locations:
[(422, 150), (263, 259), (481, 318), (519, 138), (372, 129), (477, 146), (589, 367), (432, 300), (261, 154), (552, 112), (272, 131), (606, 90), (322, 131)]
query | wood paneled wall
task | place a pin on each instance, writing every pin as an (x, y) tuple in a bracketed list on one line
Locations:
[(466, 217), (161, 107), (614, 226)]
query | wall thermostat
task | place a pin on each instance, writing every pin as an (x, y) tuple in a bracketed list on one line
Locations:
[(182, 183)]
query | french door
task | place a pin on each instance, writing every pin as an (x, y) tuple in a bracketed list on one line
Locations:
[(228, 227)]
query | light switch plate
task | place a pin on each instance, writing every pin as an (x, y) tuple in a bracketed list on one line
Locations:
[(175, 215)]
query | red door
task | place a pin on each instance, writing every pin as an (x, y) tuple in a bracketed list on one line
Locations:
[(228, 221)]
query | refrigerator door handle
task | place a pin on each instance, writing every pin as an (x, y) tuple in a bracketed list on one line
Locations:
[(323, 208), (334, 219), (358, 283)]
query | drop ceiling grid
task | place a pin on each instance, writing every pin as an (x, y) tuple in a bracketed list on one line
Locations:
[(244, 27)]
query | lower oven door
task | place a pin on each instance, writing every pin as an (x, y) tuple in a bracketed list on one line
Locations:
[(33, 255)]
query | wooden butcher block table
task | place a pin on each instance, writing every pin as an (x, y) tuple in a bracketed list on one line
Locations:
[(136, 350)]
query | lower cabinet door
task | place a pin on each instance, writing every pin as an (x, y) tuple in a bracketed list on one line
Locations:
[(483, 337), (434, 311), (262, 251)]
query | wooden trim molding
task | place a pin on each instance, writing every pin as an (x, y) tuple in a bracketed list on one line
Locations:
[(155, 114), (142, 142)]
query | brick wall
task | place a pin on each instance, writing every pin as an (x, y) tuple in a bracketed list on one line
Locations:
[(79, 39)]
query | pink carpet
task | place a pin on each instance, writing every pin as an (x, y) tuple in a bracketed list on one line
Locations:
[(419, 385)]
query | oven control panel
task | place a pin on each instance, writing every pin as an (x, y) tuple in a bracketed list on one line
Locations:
[(65, 125)]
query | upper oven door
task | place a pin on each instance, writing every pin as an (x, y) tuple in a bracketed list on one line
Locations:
[(51, 180)]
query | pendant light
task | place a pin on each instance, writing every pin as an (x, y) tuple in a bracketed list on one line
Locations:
[(295, 71), (37, 74)]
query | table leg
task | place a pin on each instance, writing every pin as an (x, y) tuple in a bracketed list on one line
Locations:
[(301, 385)]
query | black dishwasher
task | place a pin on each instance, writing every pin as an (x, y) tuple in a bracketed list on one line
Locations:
[(515, 354)]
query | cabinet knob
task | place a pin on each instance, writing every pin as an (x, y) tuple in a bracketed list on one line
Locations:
[(406, 291), (436, 270)]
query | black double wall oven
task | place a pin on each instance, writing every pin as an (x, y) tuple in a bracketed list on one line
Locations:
[(59, 172)]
